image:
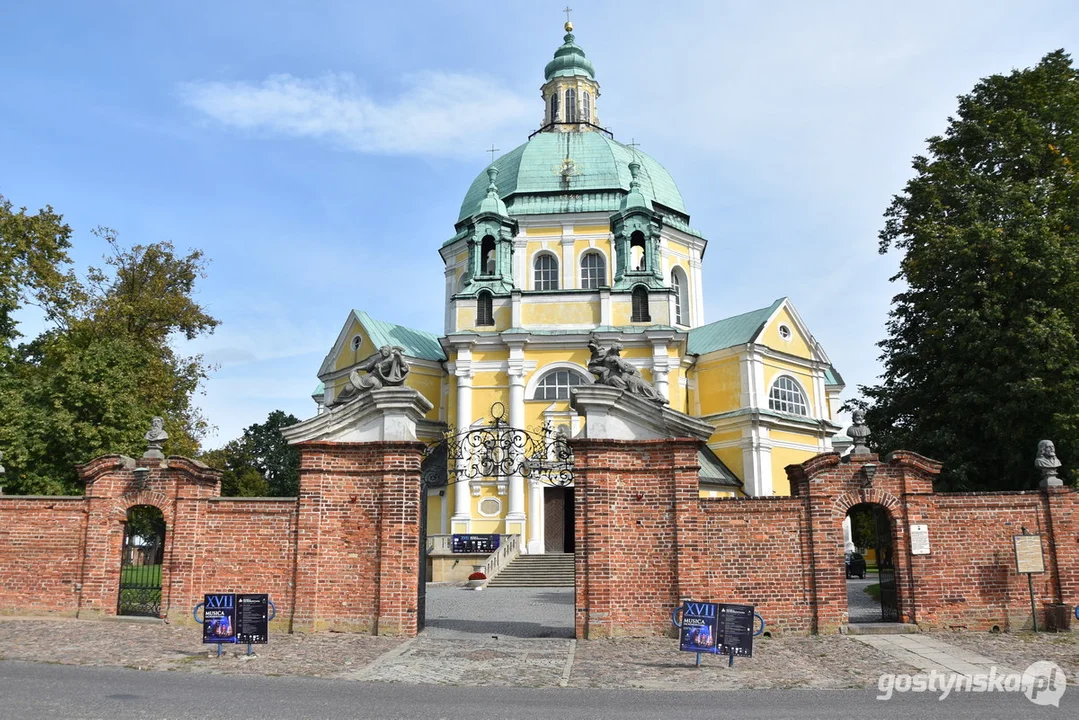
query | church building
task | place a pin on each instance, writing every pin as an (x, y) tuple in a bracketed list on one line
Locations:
[(574, 237)]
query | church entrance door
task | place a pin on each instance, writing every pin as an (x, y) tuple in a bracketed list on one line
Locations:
[(558, 519)]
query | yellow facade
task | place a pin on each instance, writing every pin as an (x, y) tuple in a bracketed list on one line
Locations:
[(759, 378)]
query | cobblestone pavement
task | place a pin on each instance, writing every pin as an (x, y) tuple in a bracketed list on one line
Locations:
[(861, 607), (458, 612), (832, 661)]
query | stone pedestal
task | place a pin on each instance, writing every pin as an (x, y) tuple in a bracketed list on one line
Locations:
[(613, 414), (384, 415)]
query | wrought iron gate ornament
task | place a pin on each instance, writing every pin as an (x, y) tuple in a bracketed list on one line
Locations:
[(499, 451)]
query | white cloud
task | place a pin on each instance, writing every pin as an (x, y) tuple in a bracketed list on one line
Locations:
[(437, 114)]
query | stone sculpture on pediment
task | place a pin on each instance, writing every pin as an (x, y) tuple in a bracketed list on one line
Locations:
[(614, 371)]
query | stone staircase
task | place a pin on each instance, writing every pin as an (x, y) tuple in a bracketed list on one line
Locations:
[(550, 570)]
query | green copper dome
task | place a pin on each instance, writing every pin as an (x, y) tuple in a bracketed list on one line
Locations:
[(569, 60), (558, 172)]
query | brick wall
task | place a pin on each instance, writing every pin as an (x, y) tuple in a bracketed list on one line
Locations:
[(40, 553), (645, 540), (344, 555)]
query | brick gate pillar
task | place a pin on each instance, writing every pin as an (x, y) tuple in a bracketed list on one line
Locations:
[(636, 486), (358, 531)]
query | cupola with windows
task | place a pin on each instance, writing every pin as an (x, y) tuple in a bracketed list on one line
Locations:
[(570, 89)]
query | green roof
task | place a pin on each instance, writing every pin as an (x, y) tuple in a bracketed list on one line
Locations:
[(714, 471), (569, 60), (320, 390), (600, 177), (417, 343), (737, 330), (832, 376)]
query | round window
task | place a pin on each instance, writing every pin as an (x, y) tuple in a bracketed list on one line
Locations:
[(785, 332), (357, 341)]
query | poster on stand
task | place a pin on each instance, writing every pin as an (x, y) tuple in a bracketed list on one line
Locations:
[(219, 618), (698, 627)]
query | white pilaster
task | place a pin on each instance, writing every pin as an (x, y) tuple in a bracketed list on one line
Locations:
[(462, 506), (661, 369), (536, 545), (696, 291), (605, 306), (515, 516), (569, 268), (757, 462), (450, 320)]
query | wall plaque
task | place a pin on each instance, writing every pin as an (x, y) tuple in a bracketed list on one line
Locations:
[(1028, 554), (919, 539)]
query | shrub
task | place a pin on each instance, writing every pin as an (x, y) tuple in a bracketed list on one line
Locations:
[(477, 576)]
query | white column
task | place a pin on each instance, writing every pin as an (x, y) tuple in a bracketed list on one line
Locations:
[(535, 519), (462, 506), (757, 462), (515, 516)]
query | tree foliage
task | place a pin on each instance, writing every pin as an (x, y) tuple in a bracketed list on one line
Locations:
[(981, 359), (106, 362), (261, 462)]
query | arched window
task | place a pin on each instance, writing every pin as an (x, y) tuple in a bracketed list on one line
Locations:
[(640, 305), (555, 385), (554, 106), (637, 260), (787, 396), (546, 272), (571, 105), (485, 313), (586, 101), (593, 271), (680, 285), (487, 255)]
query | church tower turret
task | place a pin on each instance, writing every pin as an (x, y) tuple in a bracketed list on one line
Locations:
[(570, 91)]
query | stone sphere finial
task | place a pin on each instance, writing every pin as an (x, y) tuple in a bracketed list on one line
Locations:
[(155, 439), (1046, 461), (859, 434)]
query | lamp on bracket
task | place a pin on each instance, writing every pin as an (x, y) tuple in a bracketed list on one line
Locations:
[(869, 471)]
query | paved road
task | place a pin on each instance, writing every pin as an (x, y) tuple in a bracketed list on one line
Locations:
[(31, 691), (542, 612)]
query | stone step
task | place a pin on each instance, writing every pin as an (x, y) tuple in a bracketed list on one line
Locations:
[(882, 628), (551, 570)]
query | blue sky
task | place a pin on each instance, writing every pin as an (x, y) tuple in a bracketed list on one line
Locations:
[(319, 151)]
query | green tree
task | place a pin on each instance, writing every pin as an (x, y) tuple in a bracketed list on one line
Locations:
[(980, 359), (106, 363), (260, 462)]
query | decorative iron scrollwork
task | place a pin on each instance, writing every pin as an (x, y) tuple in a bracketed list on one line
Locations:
[(498, 451)]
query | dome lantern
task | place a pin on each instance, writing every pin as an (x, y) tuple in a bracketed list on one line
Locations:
[(570, 89)]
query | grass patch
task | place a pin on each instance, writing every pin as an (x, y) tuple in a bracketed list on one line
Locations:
[(141, 575), (873, 591)]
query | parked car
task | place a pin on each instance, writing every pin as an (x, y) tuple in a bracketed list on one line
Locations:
[(855, 565)]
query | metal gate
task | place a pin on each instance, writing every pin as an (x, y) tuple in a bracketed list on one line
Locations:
[(421, 601), (141, 560)]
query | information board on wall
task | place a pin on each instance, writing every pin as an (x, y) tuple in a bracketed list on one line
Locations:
[(219, 618), (474, 543), (1028, 554), (919, 539)]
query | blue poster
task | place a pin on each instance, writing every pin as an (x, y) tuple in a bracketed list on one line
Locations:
[(699, 627), (219, 618)]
